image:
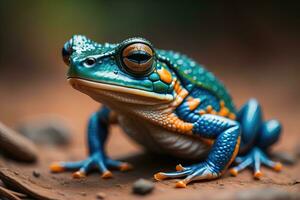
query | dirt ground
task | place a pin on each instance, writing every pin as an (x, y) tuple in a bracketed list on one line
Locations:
[(279, 100)]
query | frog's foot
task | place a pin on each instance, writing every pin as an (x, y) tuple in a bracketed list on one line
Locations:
[(255, 158), (202, 171), (83, 167)]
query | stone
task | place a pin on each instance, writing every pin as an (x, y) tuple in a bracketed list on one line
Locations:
[(46, 131), (142, 187), (36, 173)]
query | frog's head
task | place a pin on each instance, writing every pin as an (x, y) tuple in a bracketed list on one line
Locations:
[(129, 72)]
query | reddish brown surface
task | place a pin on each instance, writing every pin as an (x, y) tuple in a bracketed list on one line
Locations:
[(276, 87)]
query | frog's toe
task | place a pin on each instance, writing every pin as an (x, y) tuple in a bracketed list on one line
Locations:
[(107, 174), (84, 169), (57, 167), (255, 158), (276, 166), (203, 172), (242, 165), (79, 174), (81, 167), (179, 167), (122, 166), (95, 161), (168, 175), (200, 171)]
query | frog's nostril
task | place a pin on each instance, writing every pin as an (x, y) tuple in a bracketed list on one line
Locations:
[(67, 51)]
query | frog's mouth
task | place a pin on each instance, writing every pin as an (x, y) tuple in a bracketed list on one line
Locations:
[(103, 92)]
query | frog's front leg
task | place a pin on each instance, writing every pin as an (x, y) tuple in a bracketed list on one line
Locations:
[(97, 134), (226, 134)]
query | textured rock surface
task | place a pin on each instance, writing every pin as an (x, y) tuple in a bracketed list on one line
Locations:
[(47, 130)]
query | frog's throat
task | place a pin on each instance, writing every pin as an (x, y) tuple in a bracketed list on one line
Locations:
[(95, 89)]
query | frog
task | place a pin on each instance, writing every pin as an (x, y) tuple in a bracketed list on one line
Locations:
[(169, 104)]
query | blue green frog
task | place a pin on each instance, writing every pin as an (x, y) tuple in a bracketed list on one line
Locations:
[(169, 104)]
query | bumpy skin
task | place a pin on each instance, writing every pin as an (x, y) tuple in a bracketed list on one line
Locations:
[(166, 92)]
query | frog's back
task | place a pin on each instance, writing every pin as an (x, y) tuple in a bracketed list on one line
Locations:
[(193, 73)]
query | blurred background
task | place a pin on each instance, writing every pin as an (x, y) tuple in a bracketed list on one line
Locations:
[(252, 46)]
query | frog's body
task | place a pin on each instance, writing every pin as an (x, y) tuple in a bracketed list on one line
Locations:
[(167, 103)]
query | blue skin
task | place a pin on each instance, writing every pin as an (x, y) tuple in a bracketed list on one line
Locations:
[(256, 138)]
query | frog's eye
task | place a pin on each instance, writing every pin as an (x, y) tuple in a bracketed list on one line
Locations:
[(89, 62), (138, 58)]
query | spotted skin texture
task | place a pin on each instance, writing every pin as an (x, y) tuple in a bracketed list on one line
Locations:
[(195, 74), (171, 103)]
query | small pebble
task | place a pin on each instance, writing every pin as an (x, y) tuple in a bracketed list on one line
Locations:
[(285, 158), (142, 187), (266, 194), (100, 195), (36, 173)]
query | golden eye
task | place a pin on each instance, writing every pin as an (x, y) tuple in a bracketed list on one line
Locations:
[(138, 58)]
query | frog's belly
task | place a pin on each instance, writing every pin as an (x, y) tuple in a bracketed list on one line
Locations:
[(163, 141)]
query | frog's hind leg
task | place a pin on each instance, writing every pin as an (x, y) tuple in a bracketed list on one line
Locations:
[(250, 118), (269, 134), (257, 137), (226, 135)]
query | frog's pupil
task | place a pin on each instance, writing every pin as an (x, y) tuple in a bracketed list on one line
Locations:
[(90, 61), (139, 56)]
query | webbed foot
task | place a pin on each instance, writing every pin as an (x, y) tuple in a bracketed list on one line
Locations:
[(202, 171), (255, 158), (96, 160)]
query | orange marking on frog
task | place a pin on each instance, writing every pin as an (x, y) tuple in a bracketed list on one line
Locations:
[(180, 96), (213, 112), (232, 116), (202, 112), (193, 103), (177, 124), (224, 111), (209, 109), (222, 103), (176, 86), (165, 75), (234, 154)]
